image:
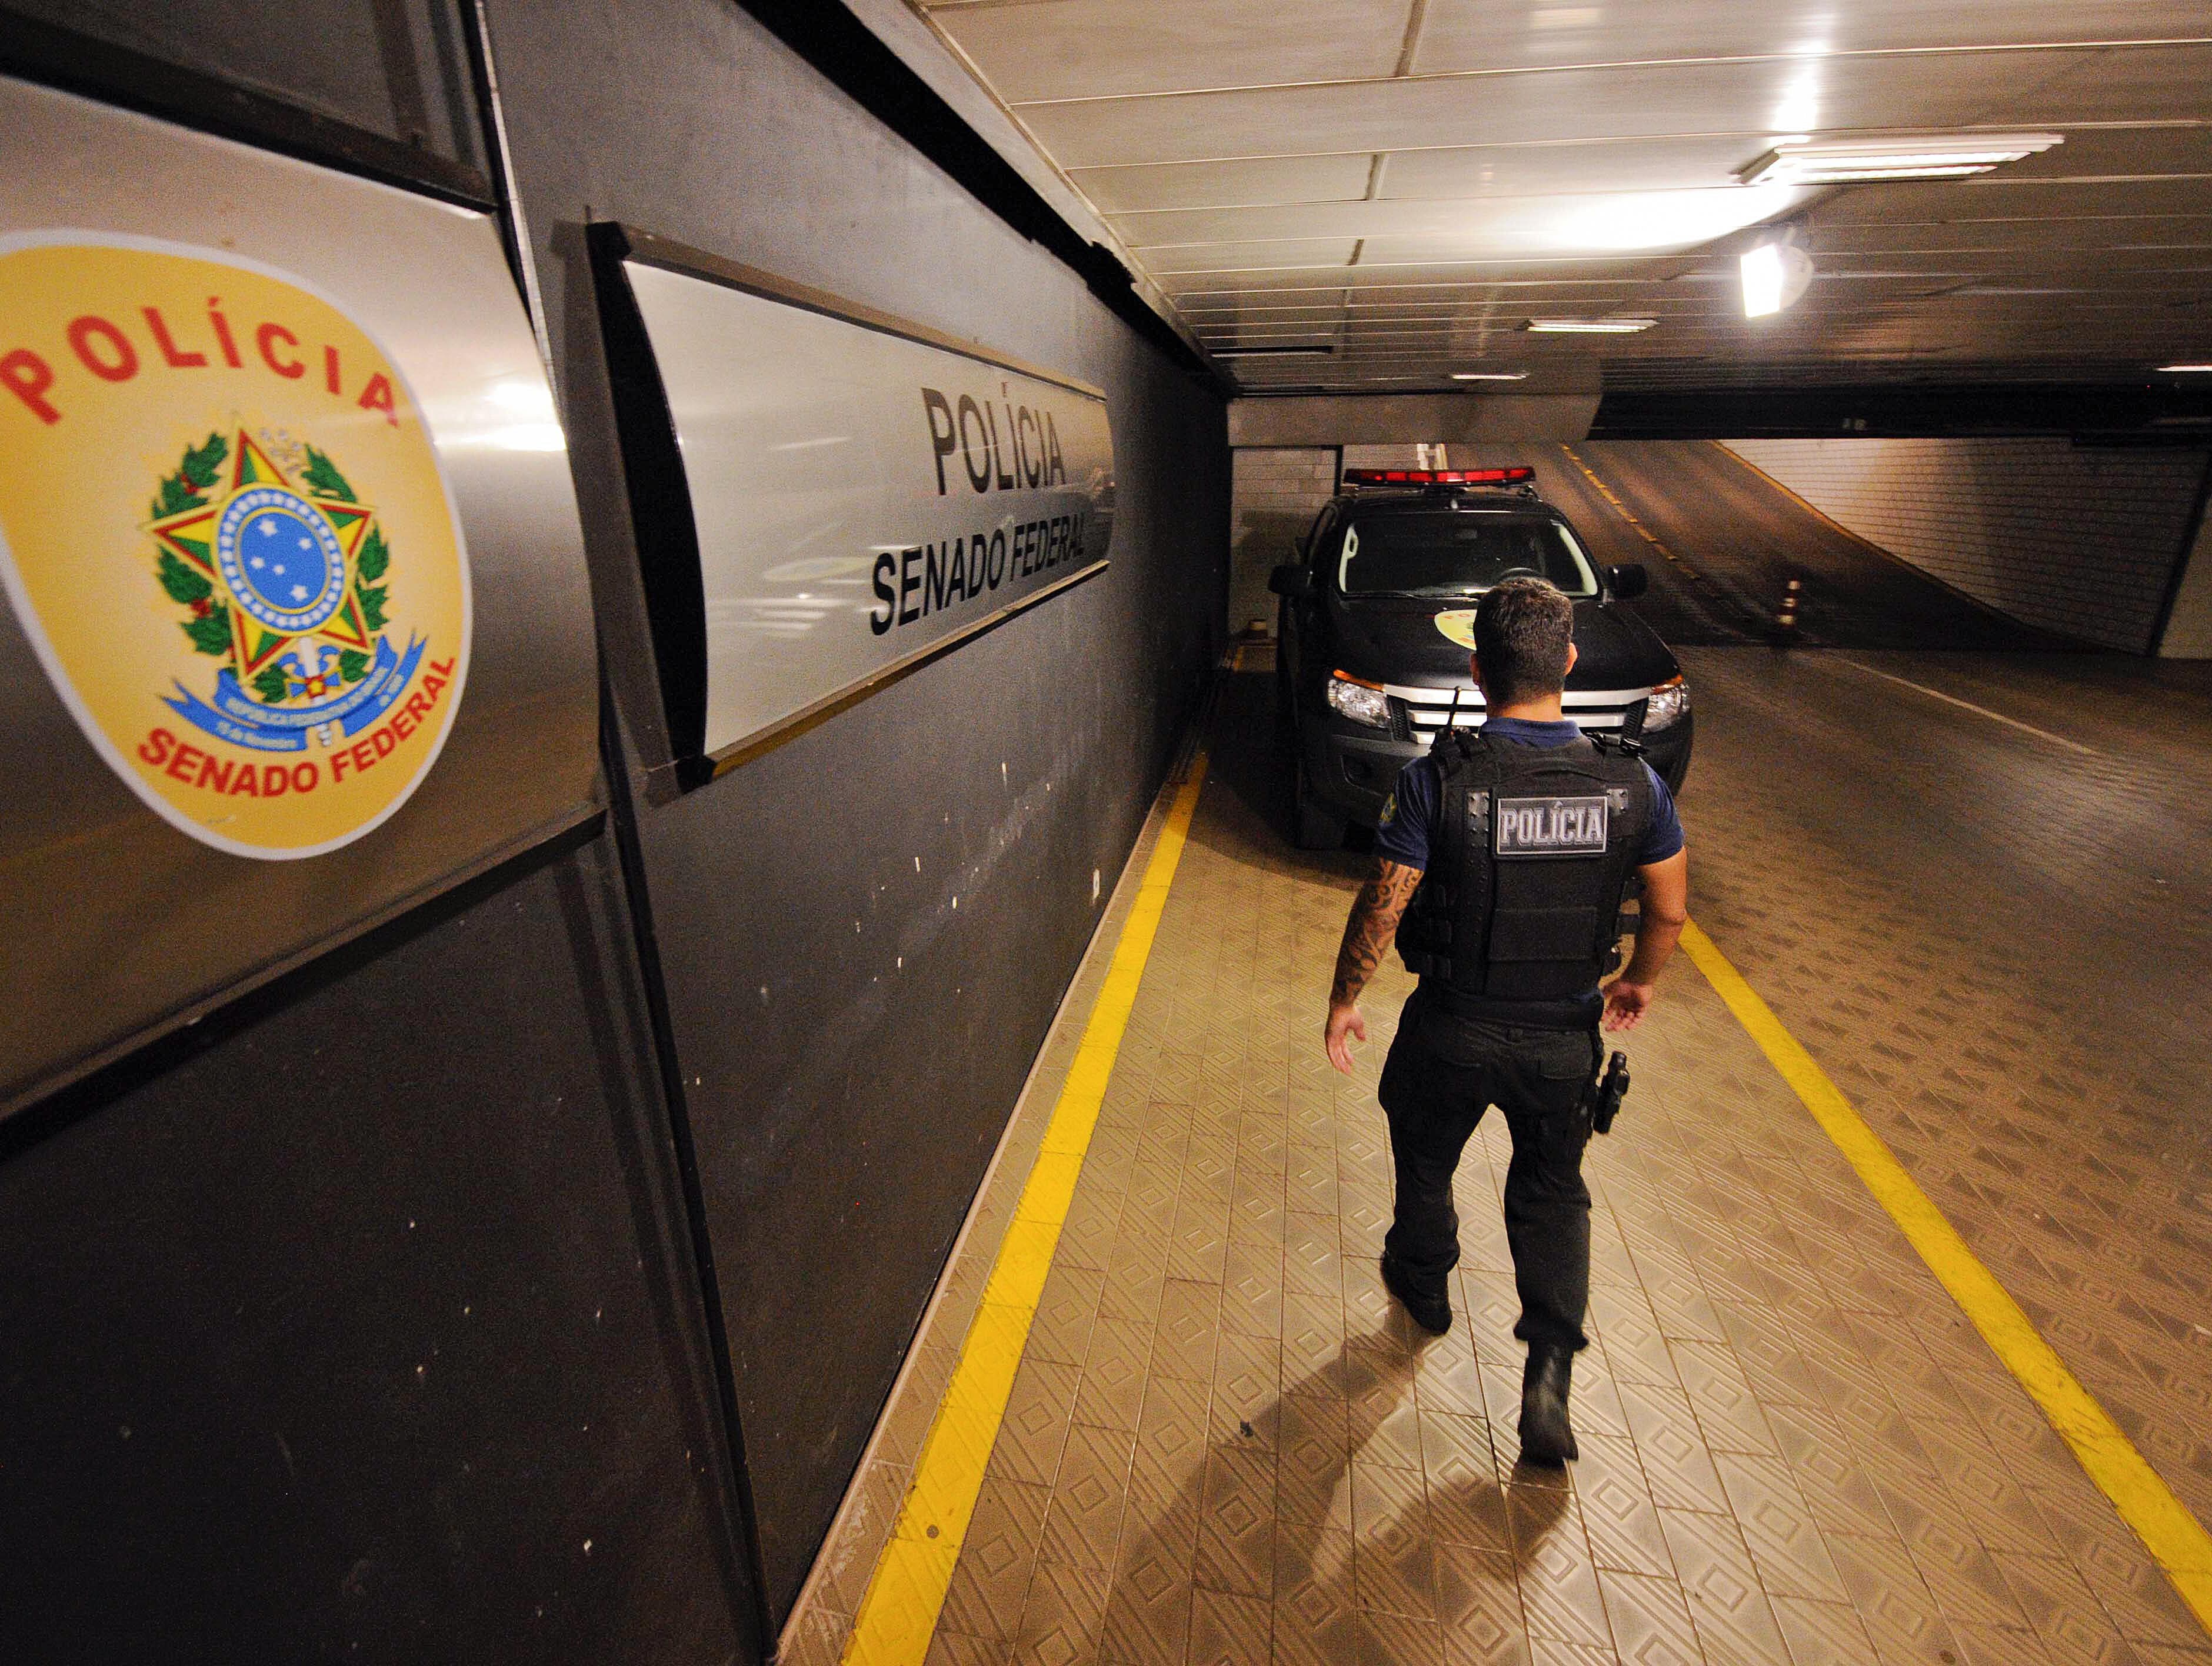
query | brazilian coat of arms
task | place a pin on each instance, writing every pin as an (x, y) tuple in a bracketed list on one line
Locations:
[(283, 577)]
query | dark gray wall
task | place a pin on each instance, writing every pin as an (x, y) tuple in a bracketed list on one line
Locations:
[(866, 931), (338, 1323), (336, 1332), (335, 1322)]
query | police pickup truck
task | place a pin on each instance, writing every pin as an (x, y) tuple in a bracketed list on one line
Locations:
[(1377, 621)]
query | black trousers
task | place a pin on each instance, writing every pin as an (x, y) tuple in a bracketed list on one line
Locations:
[(1443, 1072)]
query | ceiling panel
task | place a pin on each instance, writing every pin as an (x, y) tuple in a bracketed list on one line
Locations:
[(1531, 170), (2094, 152), (1840, 264), (1300, 173), (1380, 275), (1206, 317), (1171, 185), (1200, 288), (1474, 173), (1585, 292), (2030, 237), (1268, 329), (2069, 179), (1480, 34), (1090, 48), (2151, 83), (1290, 255), (1965, 202), (1599, 223), (1757, 98)]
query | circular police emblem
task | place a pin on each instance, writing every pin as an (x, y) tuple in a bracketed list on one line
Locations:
[(1457, 625), (261, 625)]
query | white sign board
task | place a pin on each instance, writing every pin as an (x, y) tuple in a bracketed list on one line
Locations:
[(862, 497)]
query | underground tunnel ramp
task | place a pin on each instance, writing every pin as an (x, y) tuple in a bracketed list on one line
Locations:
[(1721, 541), (1223, 1442)]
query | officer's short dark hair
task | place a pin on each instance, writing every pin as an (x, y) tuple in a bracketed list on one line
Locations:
[(1522, 629)]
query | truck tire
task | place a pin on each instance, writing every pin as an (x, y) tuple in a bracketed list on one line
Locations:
[(1314, 825)]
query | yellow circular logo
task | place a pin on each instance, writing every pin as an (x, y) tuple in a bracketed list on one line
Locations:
[(1457, 624), (224, 529)]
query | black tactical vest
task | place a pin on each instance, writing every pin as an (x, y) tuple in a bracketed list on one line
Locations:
[(1534, 847)]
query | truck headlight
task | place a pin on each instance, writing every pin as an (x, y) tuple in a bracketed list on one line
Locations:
[(1362, 702), (1669, 704)]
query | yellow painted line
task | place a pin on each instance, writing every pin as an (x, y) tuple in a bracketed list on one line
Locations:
[(898, 1615), (2175, 1539), (1627, 514)]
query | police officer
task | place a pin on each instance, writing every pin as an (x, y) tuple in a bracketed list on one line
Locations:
[(1512, 844)]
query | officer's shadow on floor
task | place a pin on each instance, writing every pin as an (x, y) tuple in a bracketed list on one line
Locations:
[(1307, 1509)]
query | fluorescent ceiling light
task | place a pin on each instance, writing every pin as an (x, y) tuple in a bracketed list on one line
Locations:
[(1589, 326), (1280, 352), (1762, 281), (2185, 370), (1923, 156), (1628, 221), (1775, 275), (1490, 375), (1801, 101)]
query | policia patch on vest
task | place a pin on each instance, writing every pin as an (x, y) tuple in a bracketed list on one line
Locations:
[(1550, 827)]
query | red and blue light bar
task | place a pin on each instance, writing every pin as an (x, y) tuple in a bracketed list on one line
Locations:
[(1510, 477)]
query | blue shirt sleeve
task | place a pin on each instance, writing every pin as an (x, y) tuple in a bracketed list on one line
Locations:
[(1664, 837), (1409, 818)]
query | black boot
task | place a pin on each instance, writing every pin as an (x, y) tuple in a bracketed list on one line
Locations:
[(1546, 1438), (1432, 1313)]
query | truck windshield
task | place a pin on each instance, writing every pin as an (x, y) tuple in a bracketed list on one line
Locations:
[(1459, 552)]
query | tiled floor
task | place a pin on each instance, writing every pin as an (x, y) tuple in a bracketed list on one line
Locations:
[(1226, 1445), (2002, 951)]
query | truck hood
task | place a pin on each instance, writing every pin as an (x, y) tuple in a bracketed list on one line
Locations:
[(1392, 640)]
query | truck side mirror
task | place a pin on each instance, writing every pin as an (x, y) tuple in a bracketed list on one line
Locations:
[(1296, 582), (1629, 582)]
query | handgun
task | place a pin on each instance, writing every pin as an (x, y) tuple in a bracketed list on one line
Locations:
[(1611, 1091)]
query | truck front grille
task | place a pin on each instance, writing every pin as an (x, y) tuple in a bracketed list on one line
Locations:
[(1423, 714)]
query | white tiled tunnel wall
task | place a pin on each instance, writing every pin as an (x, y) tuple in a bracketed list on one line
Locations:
[(2078, 540), (1399, 457), (1276, 495), (2189, 632)]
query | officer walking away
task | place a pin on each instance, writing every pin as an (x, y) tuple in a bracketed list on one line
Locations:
[(1513, 845)]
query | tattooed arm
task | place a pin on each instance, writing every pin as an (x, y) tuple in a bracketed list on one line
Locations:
[(1375, 916), (1367, 935)]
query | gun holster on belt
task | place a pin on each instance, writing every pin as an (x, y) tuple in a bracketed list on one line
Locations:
[(1602, 1098)]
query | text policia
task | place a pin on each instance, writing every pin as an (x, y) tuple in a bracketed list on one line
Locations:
[(108, 350), (1025, 453), (1003, 447)]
